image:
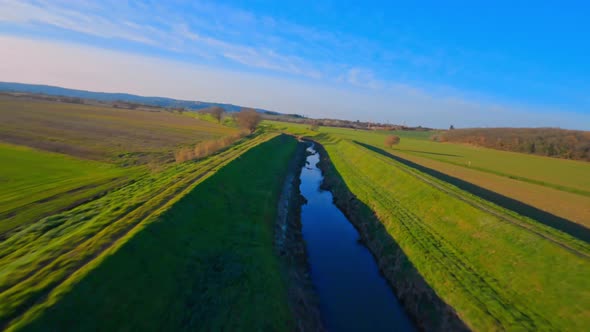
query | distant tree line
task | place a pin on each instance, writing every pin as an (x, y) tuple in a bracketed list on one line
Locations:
[(552, 142)]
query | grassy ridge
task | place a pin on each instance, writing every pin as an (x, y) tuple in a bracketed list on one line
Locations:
[(205, 263), (36, 183), (40, 257), (495, 274)]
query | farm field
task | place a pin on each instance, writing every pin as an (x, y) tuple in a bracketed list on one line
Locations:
[(567, 175), (56, 156), (568, 201), (61, 212), (36, 183), (122, 136), (202, 264)]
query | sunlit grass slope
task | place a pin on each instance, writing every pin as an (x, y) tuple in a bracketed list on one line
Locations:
[(206, 263), (43, 257), (497, 275), (34, 183)]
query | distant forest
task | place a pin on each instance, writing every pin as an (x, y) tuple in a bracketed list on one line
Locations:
[(552, 142)]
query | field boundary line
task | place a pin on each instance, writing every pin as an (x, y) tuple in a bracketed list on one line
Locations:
[(481, 206)]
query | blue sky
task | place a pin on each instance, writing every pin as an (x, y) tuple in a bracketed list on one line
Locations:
[(427, 63)]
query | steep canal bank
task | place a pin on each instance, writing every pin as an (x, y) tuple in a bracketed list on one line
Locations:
[(290, 247), (353, 295)]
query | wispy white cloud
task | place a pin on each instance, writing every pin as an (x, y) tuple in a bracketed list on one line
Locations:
[(177, 36), (35, 61), (221, 36), (56, 15)]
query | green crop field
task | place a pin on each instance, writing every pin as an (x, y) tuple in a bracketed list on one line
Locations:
[(36, 183), (497, 269), (557, 186), (61, 213), (206, 262)]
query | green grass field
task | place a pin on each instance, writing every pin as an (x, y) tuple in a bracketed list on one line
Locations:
[(35, 184), (115, 171), (497, 269), (42, 256), (206, 262), (567, 175), (556, 186), (55, 156), (110, 221)]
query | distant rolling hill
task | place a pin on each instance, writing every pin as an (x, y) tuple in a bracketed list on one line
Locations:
[(106, 96)]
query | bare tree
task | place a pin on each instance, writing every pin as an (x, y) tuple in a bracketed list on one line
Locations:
[(248, 119), (217, 113), (391, 140)]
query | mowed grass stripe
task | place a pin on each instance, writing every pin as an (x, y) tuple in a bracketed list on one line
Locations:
[(206, 262), (495, 274), (31, 272), (36, 183), (560, 239)]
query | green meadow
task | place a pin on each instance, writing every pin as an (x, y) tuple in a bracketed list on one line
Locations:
[(206, 262), (35, 183), (103, 229), (497, 269), (560, 187), (566, 175), (41, 258), (78, 181)]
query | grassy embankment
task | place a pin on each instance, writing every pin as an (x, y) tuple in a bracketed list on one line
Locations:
[(207, 261), (498, 270), (61, 212), (559, 187)]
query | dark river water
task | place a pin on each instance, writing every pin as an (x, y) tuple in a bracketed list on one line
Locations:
[(353, 294)]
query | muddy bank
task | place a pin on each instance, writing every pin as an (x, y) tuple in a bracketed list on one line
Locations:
[(303, 299), (425, 308)]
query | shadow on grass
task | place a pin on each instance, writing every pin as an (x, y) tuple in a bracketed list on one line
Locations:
[(428, 311), (432, 153), (567, 226)]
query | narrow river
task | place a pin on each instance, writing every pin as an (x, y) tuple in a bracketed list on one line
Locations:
[(353, 294)]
